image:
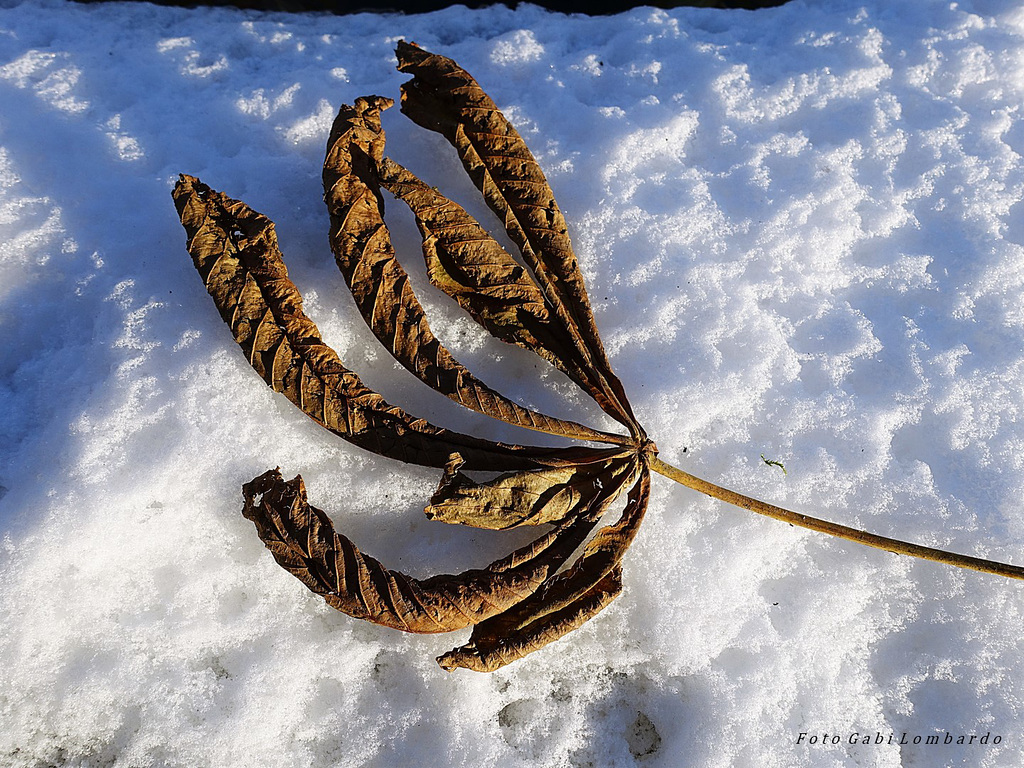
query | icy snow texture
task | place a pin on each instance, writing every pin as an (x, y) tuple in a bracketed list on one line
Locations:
[(803, 237)]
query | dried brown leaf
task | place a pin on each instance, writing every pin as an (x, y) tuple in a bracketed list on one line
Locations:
[(520, 602), (235, 251), (532, 497), (445, 98), (304, 542), (524, 601), (464, 261), (381, 287)]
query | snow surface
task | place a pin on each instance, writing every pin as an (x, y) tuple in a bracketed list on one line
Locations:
[(802, 233)]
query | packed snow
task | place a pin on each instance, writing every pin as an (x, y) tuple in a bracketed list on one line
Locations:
[(803, 237)]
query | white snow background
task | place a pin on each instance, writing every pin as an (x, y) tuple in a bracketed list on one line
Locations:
[(803, 237)]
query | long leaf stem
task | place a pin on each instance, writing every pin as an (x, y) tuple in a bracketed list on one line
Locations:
[(833, 529)]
